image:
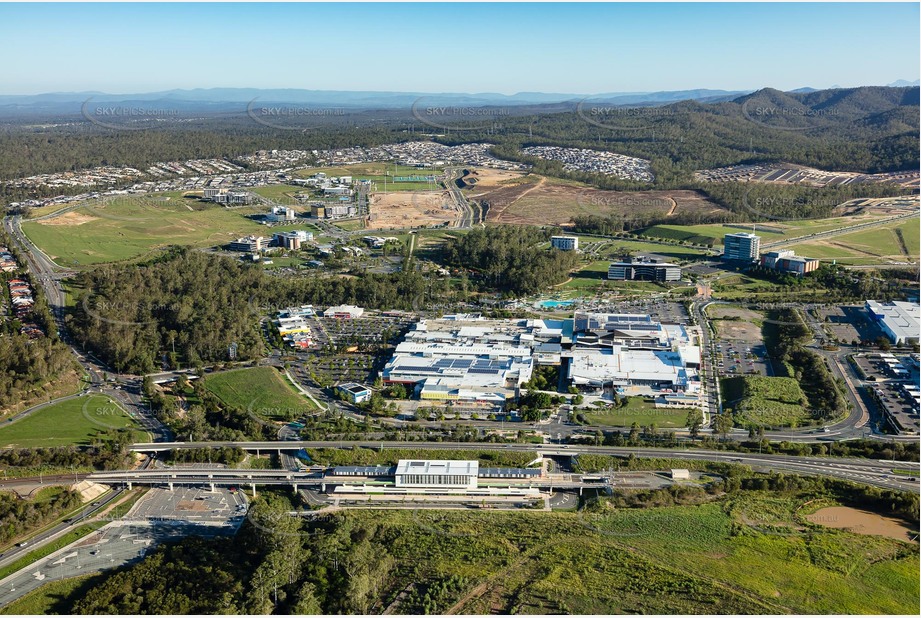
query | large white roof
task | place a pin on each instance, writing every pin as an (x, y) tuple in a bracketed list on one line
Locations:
[(625, 365), (901, 318), (437, 466)]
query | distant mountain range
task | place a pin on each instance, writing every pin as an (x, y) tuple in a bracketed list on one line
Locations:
[(236, 100), (231, 99), (225, 99)]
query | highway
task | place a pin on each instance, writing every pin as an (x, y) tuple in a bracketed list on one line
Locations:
[(126, 389), (13, 554), (868, 471), (159, 516), (49, 275), (837, 232), (466, 212)]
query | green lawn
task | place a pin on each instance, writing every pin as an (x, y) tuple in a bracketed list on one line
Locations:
[(765, 401), (618, 248), (75, 421), (350, 226), (770, 231), (367, 170), (129, 227), (283, 194), (875, 244), (640, 411), (377, 173), (262, 391)]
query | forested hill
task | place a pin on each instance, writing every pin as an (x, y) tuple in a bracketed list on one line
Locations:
[(866, 129)]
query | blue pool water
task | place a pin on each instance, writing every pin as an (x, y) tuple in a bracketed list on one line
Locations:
[(555, 304)]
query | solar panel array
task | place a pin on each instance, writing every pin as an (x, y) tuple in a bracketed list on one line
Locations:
[(509, 473), (363, 471)]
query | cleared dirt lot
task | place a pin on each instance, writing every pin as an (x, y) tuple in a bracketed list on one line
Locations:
[(483, 179), (742, 329), (411, 209), (862, 522), (68, 218), (536, 200)]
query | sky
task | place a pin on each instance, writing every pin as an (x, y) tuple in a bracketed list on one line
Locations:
[(473, 48)]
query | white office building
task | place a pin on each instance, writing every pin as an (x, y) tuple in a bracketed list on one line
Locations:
[(743, 246), (281, 213), (565, 243)]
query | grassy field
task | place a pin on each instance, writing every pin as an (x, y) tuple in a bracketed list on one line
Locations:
[(771, 231), (350, 226), (745, 553), (283, 194), (262, 391), (668, 560), (366, 170), (616, 249), (377, 173), (768, 402), (889, 242), (640, 411), (130, 227), (75, 421)]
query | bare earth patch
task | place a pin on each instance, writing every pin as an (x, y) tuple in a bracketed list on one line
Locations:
[(863, 522), (69, 218), (544, 201), (725, 311), (484, 179), (411, 209)]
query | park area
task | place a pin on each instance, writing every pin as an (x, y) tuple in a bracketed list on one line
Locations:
[(638, 410), (77, 421), (381, 175), (263, 392), (129, 227)]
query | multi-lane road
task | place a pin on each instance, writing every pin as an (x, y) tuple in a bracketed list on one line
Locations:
[(467, 219), (124, 389), (849, 229), (869, 471)]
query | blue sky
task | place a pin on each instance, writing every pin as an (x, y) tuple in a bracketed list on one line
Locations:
[(507, 48)]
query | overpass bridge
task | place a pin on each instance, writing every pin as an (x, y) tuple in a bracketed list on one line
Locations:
[(230, 477), (866, 471)]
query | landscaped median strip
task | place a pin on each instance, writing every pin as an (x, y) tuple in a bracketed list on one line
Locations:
[(60, 543), (69, 536)]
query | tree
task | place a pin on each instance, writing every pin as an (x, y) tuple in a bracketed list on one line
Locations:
[(694, 421), (634, 433), (723, 423)]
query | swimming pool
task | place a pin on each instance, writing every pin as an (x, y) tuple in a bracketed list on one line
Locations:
[(555, 304)]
